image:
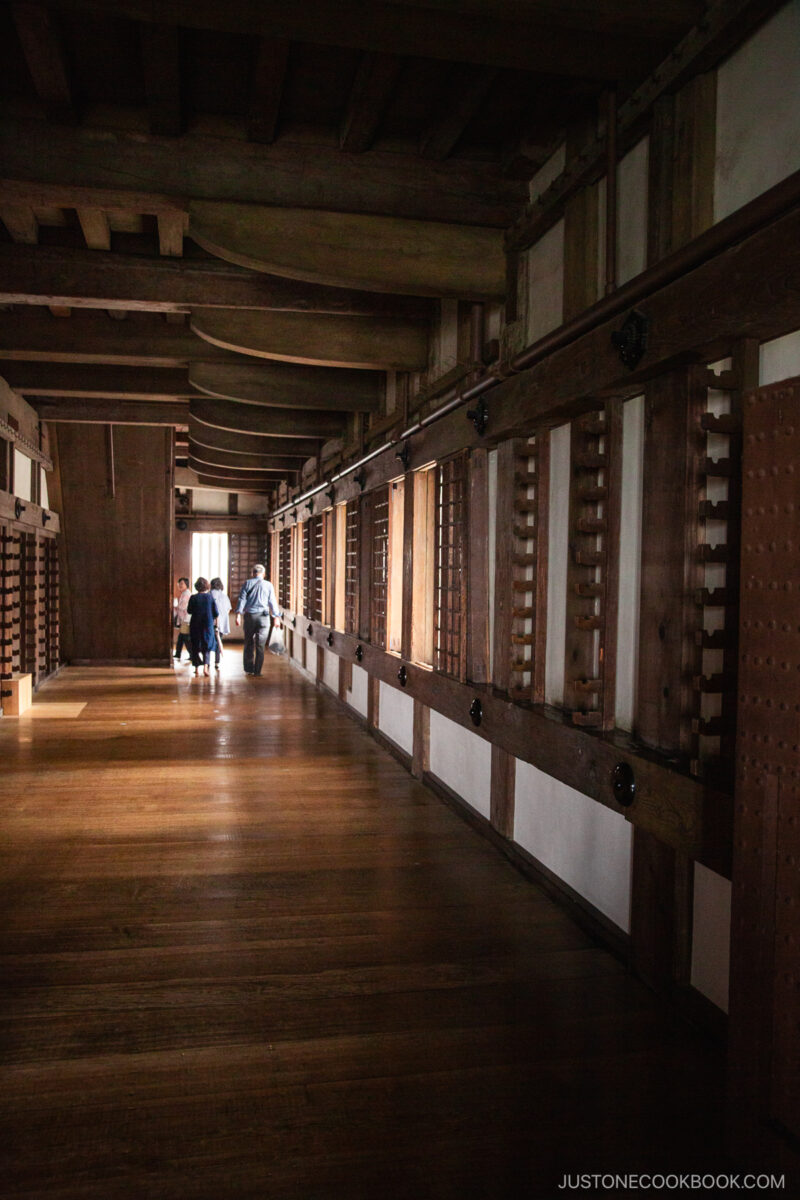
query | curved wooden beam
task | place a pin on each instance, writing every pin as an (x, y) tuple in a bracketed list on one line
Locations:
[(373, 253), (322, 339), (254, 478), (284, 385), (269, 422), (241, 462), (239, 443), (237, 485)]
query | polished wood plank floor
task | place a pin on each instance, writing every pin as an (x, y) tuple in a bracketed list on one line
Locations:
[(244, 954)]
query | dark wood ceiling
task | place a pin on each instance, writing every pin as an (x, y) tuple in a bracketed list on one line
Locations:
[(116, 114)]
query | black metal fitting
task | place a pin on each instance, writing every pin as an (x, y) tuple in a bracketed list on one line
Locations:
[(476, 711), (479, 415), (631, 339), (402, 675), (623, 783)]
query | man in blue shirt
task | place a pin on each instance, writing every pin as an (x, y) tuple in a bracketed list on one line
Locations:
[(260, 609)]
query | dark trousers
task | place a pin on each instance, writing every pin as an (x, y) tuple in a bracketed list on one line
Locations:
[(183, 640), (218, 649), (257, 628)]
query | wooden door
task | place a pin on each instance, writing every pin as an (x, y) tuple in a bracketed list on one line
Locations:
[(765, 932)]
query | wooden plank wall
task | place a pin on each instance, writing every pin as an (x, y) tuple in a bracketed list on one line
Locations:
[(116, 548)]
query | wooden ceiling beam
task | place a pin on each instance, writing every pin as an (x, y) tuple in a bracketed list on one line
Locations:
[(67, 163), (110, 412), (44, 55), (289, 385), (242, 462), (29, 336), (239, 443), (269, 422), (20, 221), (252, 478), (95, 227), (263, 487), (108, 382), (469, 89), (171, 229), (369, 99), (410, 30), (266, 89), (92, 279), (162, 77)]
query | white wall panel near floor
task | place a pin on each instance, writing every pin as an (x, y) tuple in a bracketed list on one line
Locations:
[(582, 842), (357, 696), (711, 935), (396, 717), (462, 760), (330, 676)]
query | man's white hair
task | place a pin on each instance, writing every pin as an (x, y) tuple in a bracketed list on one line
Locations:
[(259, 569)]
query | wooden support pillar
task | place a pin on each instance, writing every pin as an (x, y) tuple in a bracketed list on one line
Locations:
[(504, 566), (320, 675), (421, 755), (662, 879), (502, 794), (373, 701), (581, 234), (478, 566), (408, 566)]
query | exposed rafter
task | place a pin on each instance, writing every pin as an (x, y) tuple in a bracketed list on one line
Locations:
[(44, 54), (369, 98), (468, 90), (266, 89)]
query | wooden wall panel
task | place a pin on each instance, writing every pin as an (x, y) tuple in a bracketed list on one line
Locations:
[(116, 563)]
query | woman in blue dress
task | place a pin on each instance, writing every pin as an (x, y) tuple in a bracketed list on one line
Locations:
[(203, 615)]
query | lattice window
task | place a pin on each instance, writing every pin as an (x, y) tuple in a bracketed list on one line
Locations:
[(379, 565), (9, 602), (352, 522), (28, 604), (317, 603), (52, 602), (245, 549), (308, 568), (450, 615), (284, 567)]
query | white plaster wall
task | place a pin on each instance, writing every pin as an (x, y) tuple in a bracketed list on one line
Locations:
[(630, 555), (545, 267), (298, 641), (22, 475), (711, 935), (252, 505), (558, 547), (396, 717), (780, 359), (758, 114), (357, 696), (632, 212), (462, 760), (205, 500), (582, 842), (492, 550), (330, 670), (547, 173)]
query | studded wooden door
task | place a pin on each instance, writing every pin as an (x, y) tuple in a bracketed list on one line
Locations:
[(765, 933)]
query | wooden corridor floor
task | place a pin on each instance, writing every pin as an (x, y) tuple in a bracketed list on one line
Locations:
[(245, 954)]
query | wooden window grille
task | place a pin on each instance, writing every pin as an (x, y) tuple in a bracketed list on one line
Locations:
[(450, 580), (244, 550), (284, 567), (352, 523), (52, 603), (379, 565), (313, 568), (9, 602)]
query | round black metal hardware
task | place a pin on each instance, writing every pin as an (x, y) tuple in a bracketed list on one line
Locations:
[(309, 508), (19, 508), (329, 639), (294, 622), (404, 455), (402, 675), (45, 517), (476, 711), (182, 525), (361, 479), (310, 631), (623, 782), (479, 415), (631, 340), (331, 493), (359, 652)]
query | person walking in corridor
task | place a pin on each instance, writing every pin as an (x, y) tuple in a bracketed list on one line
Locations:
[(259, 607)]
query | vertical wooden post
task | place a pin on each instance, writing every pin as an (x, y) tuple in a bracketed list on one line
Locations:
[(408, 565), (504, 566), (373, 701), (580, 233), (502, 796), (420, 759), (478, 568)]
